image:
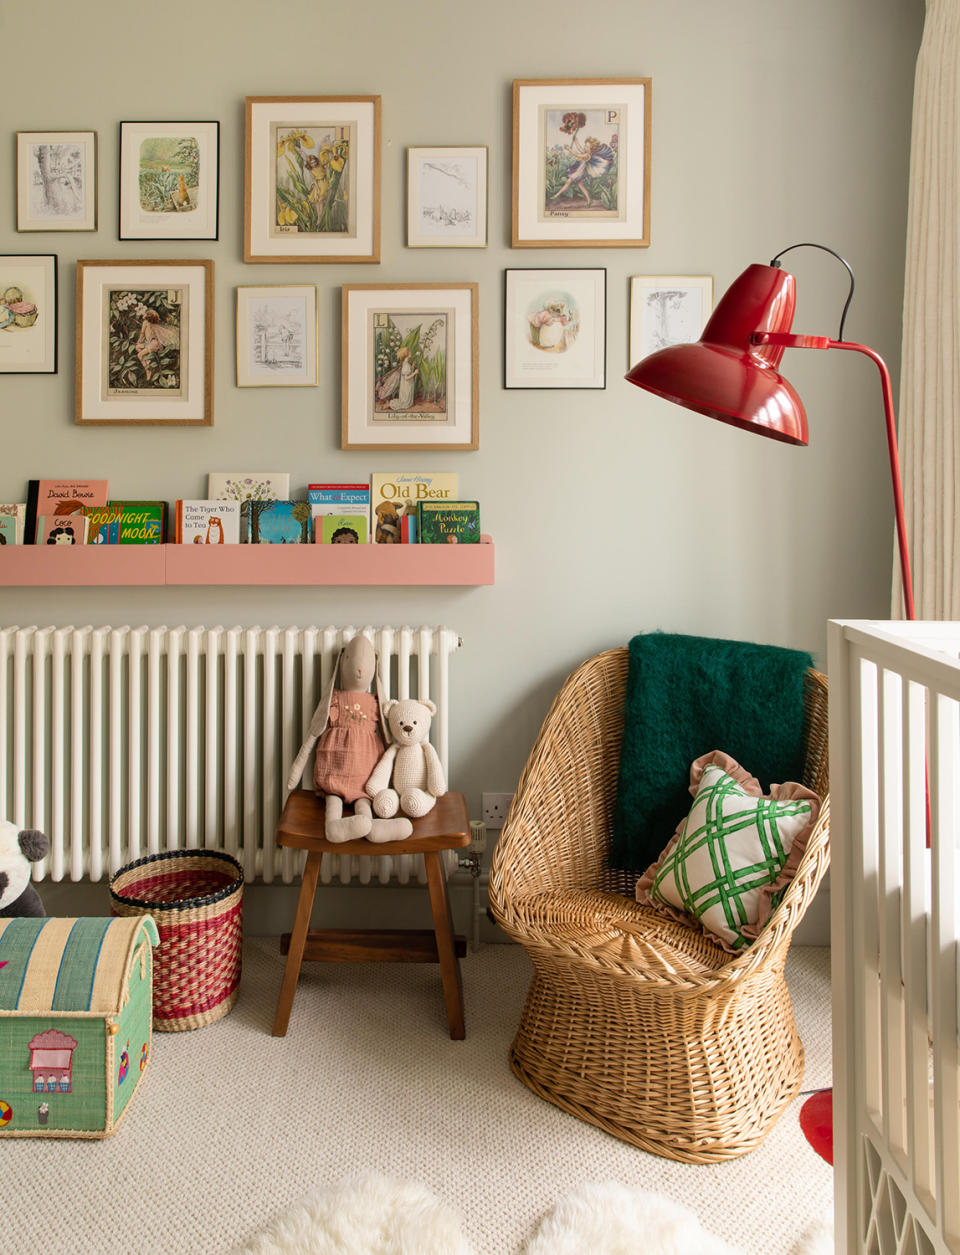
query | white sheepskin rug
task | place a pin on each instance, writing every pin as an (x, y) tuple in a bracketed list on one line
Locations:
[(374, 1215), (621, 1220), (368, 1215)]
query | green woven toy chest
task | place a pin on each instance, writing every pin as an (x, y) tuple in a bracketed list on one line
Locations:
[(75, 1022)]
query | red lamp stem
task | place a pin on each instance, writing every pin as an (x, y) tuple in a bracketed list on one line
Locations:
[(780, 339)]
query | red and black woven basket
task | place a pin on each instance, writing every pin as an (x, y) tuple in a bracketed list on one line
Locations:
[(196, 898)]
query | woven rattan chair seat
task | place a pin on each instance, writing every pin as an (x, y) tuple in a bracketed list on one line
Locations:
[(634, 1022)]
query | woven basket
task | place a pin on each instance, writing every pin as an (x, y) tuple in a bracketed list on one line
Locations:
[(196, 898)]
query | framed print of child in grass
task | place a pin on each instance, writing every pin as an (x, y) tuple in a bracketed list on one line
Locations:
[(581, 163), (169, 180), (312, 179), (144, 343), (409, 366)]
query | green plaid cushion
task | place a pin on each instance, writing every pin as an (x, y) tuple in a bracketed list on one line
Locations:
[(732, 847)]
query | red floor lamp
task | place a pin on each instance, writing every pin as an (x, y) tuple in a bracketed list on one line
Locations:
[(732, 371)]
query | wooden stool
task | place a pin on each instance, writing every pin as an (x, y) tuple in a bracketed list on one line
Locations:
[(447, 827)]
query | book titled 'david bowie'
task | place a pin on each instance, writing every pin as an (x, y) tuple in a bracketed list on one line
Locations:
[(59, 496)]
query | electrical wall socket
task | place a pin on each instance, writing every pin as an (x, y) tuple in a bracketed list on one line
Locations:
[(495, 807)]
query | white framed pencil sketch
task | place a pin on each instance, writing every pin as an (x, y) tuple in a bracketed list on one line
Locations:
[(667, 310), (277, 336), (56, 180), (446, 197)]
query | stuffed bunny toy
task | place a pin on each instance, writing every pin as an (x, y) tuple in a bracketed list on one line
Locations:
[(346, 730)]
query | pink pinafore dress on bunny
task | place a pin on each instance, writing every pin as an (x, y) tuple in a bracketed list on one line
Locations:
[(349, 747)]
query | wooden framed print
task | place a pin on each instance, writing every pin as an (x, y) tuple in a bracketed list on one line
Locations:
[(169, 180), (555, 329), (667, 310), (446, 197), (277, 336), (28, 314), (581, 163), (312, 189), (144, 343), (409, 366), (56, 181)]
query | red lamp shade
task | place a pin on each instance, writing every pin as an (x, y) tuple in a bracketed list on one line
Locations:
[(726, 375)]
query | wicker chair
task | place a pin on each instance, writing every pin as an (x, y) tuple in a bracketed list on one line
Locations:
[(632, 1022)]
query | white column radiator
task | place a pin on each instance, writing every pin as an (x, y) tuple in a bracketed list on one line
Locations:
[(895, 868), (120, 742)]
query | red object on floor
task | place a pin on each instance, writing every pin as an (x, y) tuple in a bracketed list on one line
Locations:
[(816, 1121)]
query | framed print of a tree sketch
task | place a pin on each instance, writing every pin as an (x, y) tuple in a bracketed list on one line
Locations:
[(56, 181), (446, 197), (667, 310), (409, 366), (169, 180), (581, 163), (144, 343), (555, 333), (312, 179), (277, 336)]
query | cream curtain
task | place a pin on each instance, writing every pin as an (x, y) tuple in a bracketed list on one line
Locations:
[(929, 427)]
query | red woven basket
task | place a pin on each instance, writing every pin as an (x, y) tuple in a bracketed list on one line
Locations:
[(196, 898)]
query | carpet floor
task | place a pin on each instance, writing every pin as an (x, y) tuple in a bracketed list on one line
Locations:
[(232, 1126)]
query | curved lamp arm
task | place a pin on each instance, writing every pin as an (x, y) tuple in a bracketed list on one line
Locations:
[(788, 341)]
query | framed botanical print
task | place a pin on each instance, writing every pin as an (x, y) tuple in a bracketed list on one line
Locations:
[(667, 310), (446, 197), (56, 181), (277, 336), (144, 343), (312, 189), (409, 366), (28, 314), (555, 329), (581, 163), (169, 180)]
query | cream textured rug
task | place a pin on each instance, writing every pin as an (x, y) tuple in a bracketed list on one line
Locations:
[(232, 1127)]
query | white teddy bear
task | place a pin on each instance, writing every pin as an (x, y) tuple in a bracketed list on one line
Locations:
[(409, 777)]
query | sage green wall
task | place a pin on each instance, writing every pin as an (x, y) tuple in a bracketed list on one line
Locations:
[(612, 512)]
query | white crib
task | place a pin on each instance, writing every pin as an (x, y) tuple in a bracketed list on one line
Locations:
[(895, 925)]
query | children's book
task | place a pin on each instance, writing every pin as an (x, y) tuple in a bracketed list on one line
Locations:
[(208, 523), (8, 530), (142, 522), (18, 513), (409, 529), (63, 496), (62, 529), (336, 498), (396, 493), (248, 485), (104, 523), (275, 522), (449, 522), (341, 529)]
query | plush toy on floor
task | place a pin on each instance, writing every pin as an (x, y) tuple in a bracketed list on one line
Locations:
[(409, 777), (346, 729), (19, 847)]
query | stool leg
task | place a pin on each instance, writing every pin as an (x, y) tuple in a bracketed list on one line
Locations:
[(301, 923), (443, 930)]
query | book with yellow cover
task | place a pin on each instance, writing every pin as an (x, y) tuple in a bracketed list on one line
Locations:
[(396, 493)]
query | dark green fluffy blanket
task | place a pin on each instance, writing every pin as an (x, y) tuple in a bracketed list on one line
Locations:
[(686, 696)]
